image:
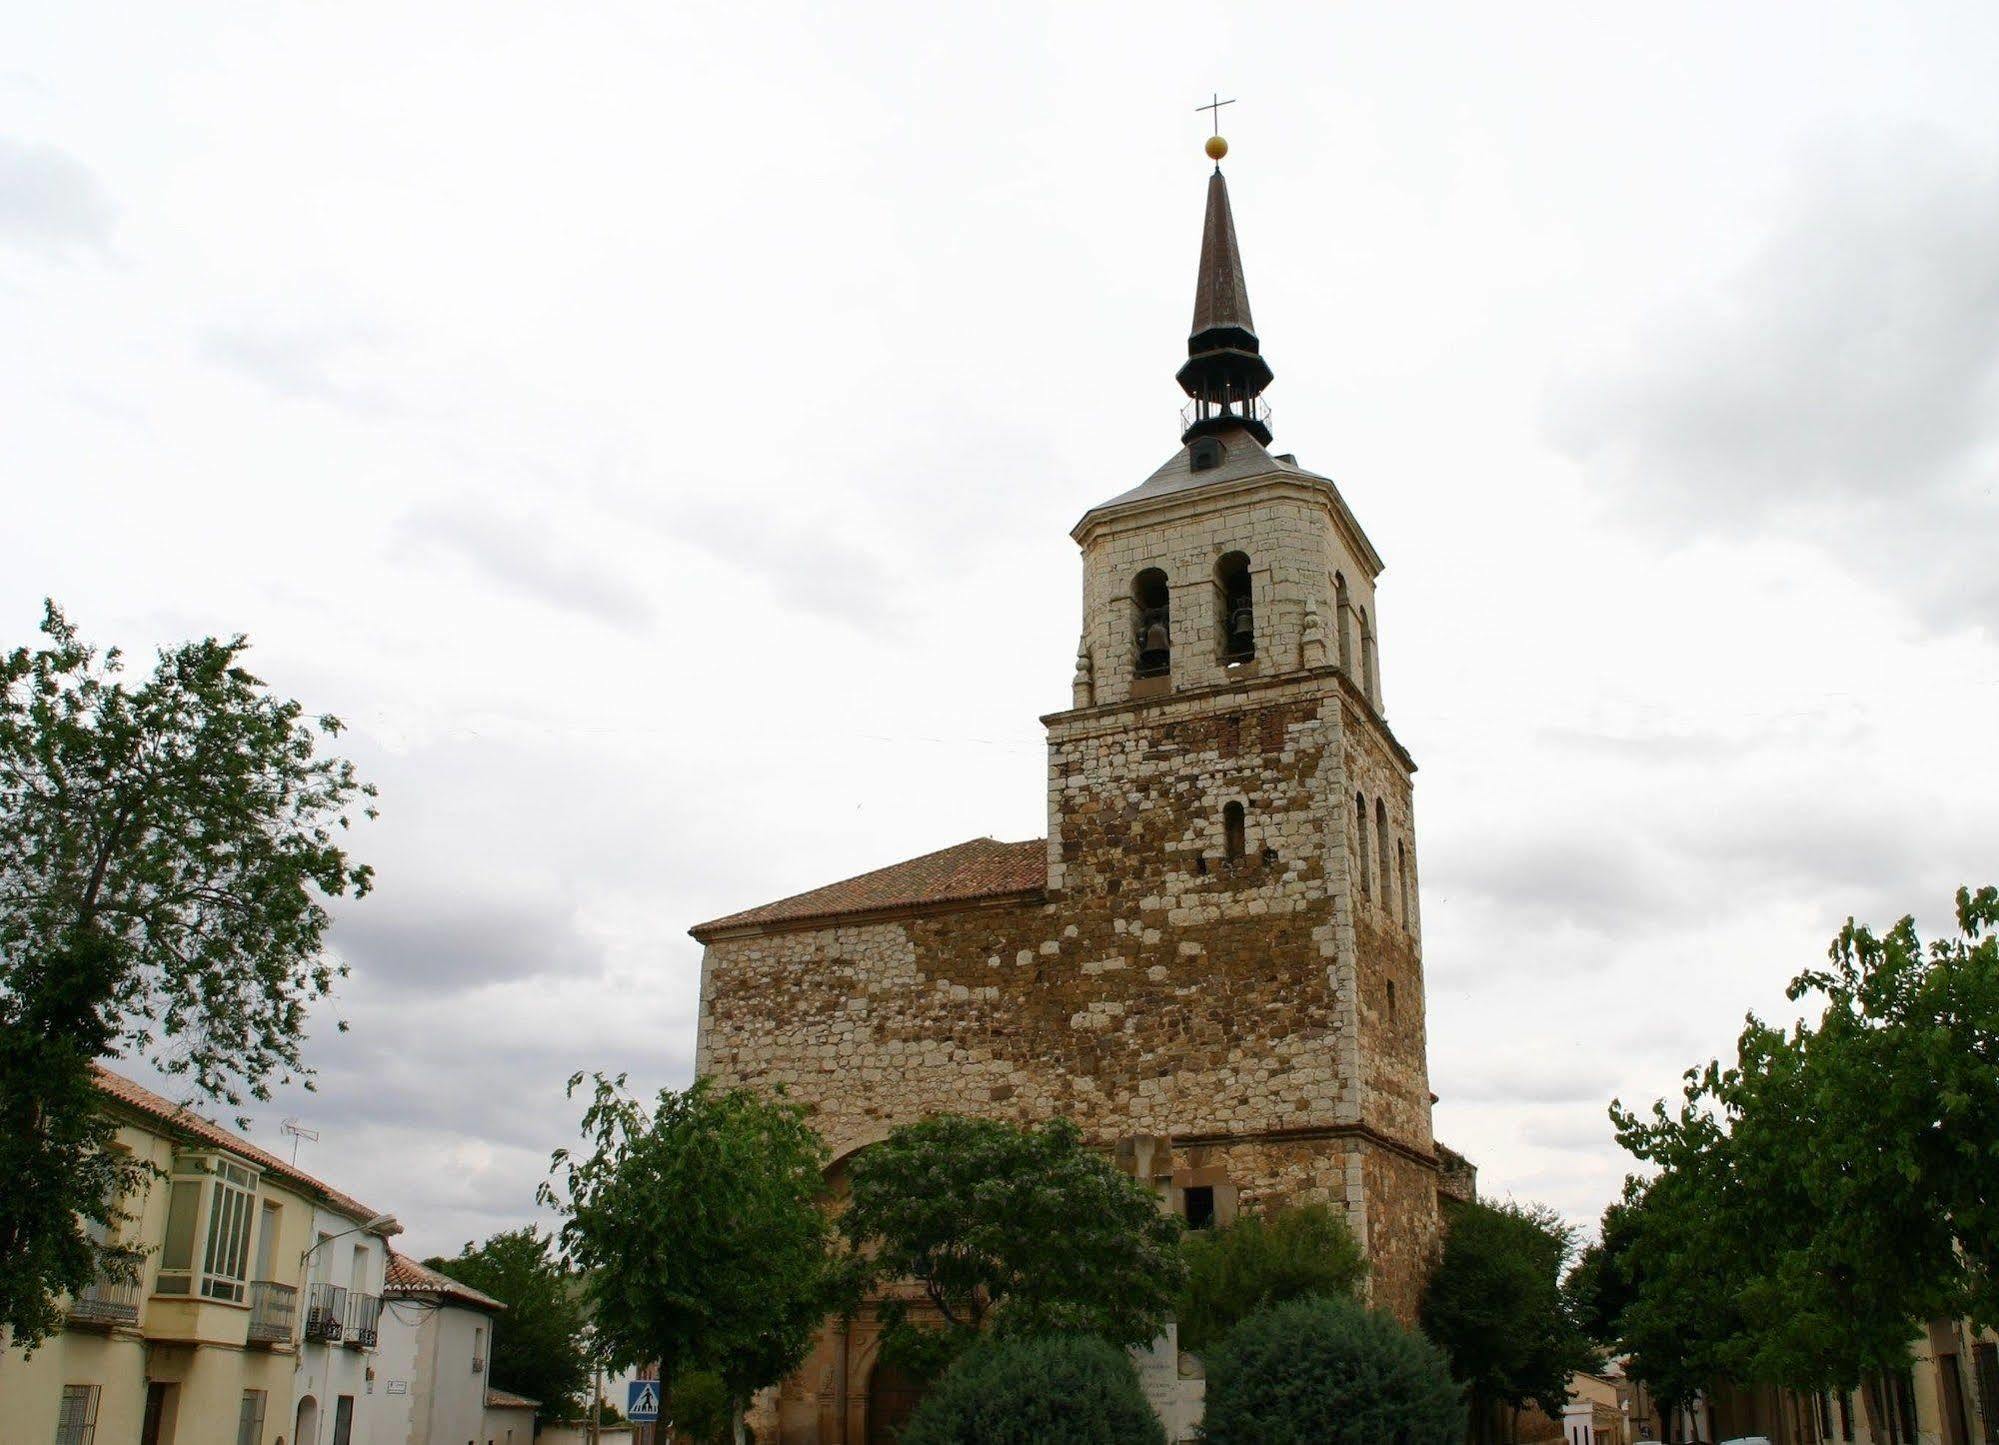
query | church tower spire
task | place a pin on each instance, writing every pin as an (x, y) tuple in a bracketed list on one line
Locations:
[(1225, 372)]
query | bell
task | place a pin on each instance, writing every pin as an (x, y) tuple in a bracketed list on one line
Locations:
[(1242, 622), (1155, 639)]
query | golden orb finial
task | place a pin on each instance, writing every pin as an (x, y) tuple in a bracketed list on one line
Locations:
[(1216, 148)]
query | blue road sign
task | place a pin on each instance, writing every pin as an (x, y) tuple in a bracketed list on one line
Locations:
[(642, 1401)]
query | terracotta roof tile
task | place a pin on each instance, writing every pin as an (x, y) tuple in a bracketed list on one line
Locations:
[(978, 869), (187, 1123), (404, 1276), (508, 1400)]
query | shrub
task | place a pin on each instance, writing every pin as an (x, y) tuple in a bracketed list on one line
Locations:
[(1258, 1262), (1324, 1371), (1047, 1390)]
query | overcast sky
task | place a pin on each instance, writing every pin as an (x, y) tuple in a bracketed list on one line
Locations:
[(656, 430)]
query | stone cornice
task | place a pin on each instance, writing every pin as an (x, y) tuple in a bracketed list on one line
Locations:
[(1111, 717), (1222, 496), (819, 922)]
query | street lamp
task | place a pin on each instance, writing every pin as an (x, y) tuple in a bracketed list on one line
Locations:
[(380, 1224)]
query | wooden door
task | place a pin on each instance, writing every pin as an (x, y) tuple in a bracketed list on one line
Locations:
[(153, 1421), (892, 1398)]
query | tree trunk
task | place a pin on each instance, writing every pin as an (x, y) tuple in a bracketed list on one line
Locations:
[(736, 1424)]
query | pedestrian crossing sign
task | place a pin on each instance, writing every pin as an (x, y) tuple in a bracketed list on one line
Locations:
[(642, 1401)]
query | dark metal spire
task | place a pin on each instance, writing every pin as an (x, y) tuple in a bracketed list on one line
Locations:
[(1225, 373)]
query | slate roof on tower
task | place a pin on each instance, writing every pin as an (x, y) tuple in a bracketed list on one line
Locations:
[(968, 872), (1221, 295)]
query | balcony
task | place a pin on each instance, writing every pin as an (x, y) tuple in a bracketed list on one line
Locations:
[(325, 1312), (112, 1298), (273, 1312), (364, 1313)]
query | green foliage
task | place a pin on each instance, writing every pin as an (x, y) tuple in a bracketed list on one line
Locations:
[(1256, 1262), (1019, 1231), (539, 1350), (1325, 1371), (167, 850), (1037, 1390), (1495, 1305), (700, 1231), (700, 1408), (1833, 1184)]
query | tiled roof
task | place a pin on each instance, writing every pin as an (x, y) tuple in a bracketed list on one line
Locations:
[(404, 1276), (191, 1125), (508, 1400), (981, 868)]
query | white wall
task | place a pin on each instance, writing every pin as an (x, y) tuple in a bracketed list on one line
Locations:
[(328, 1371), (428, 1351)]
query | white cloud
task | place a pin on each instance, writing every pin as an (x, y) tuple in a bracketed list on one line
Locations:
[(51, 201)]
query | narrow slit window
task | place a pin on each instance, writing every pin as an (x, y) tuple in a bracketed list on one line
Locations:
[(1153, 634), (1343, 616), (1381, 846), (1402, 878), (1360, 827), (1234, 832), (1235, 609)]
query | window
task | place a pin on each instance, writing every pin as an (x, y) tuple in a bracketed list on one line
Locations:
[(1985, 1365), (1367, 659), (76, 1416), (1197, 1202), (1391, 998), (211, 1200), (1381, 846), (478, 1348), (1845, 1416), (1360, 824), (1235, 610), (1204, 455), (267, 1240), (1154, 632), (1233, 832), (1342, 611), (1402, 877), (250, 1420)]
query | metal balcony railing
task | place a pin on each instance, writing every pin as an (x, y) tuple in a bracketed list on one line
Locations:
[(273, 1312), (112, 1298), (325, 1312), (364, 1315)]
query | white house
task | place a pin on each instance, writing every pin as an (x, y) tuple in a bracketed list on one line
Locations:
[(436, 1347)]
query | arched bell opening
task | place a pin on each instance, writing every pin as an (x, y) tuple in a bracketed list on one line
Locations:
[(1235, 608), (1152, 634)]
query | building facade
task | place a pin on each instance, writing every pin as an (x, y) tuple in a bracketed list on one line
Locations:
[(1213, 961), (224, 1335), (436, 1363)]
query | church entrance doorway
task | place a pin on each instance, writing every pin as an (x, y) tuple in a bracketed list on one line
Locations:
[(892, 1398)]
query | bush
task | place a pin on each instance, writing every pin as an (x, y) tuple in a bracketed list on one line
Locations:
[(1050, 1390), (1256, 1262), (1325, 1371)]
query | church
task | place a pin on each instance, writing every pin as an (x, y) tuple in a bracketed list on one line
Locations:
[(1213, 962)]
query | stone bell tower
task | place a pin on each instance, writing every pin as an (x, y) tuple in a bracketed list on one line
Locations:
[(1213, 962), (1227, 781)]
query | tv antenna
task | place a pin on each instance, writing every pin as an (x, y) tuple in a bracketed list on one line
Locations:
[(298, 1131)]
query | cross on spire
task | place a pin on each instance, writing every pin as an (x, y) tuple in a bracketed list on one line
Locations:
[(1215, 105)]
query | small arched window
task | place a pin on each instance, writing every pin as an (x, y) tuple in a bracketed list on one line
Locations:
[(1234, 837), (1402, 877), (1360, 827), (1153, 633), (1343, 611), (1381, 844), (1235, 610)]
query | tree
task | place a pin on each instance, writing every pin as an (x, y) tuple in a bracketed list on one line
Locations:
[(1495, 1305), (1046, 1390), (1021, 1231), (1256, 1262), (699, 1228), (167, 852), (540, 1351), (1323, 1370), (1835, 1179), (1657, 1286)]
